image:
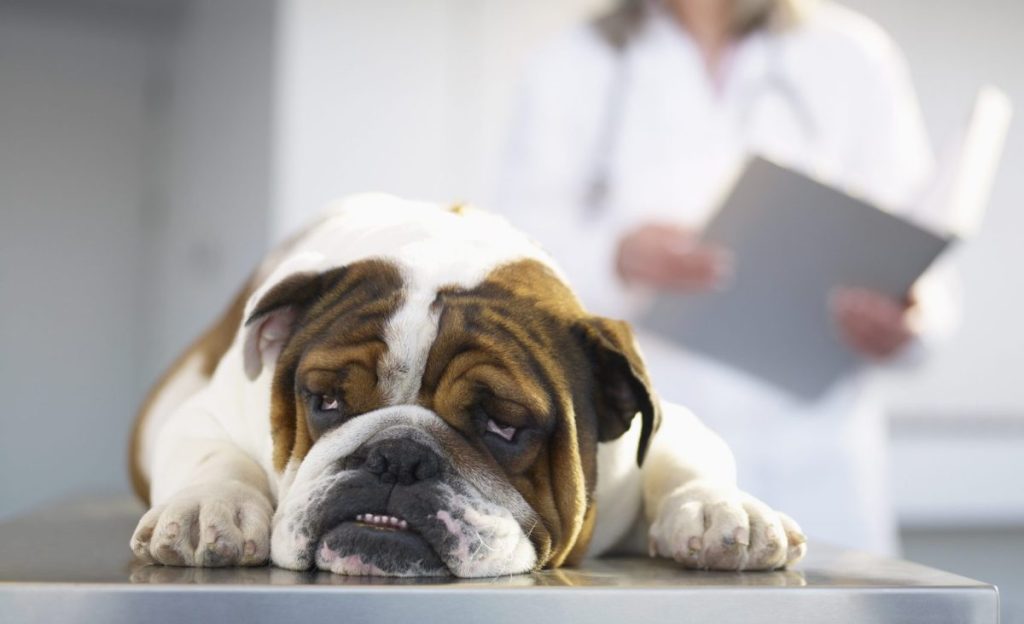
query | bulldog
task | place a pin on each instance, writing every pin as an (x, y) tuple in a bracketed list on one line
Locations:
[(408, 389)]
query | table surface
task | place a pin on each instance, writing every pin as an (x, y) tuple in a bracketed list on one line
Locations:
[(71, 562)]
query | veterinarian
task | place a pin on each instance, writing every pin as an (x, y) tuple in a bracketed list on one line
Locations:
[(629, 130)]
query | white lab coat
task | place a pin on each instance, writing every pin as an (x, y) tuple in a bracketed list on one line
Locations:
[(677, 143)]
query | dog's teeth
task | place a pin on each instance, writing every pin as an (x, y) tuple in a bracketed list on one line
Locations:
[(383, 520)]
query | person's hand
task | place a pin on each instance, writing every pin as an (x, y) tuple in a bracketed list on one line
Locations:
[(670, 257), (870, 323)]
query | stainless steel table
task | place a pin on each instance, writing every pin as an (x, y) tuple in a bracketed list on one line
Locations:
[(71, 563)]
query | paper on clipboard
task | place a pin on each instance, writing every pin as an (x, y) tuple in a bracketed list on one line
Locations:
[(796, 239), (964, 177)]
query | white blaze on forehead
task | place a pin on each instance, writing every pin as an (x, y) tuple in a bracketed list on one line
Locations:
[(409, 335), (433, 246)]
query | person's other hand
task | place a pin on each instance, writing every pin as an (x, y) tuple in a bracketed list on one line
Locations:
[(667, 256), (871, 323)]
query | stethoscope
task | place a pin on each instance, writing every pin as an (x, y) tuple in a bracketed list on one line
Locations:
[(772, 83)]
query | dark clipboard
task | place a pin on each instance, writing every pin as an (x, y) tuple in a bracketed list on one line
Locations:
[(794, 240)]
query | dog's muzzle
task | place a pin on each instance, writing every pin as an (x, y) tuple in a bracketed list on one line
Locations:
[(396, 500)]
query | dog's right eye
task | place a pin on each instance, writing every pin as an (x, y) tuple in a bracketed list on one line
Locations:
[(325, 411), (328, 403)]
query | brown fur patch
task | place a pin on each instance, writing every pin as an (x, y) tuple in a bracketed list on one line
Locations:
[(521, 347), (340, 335), (579, 549), (505, 346)]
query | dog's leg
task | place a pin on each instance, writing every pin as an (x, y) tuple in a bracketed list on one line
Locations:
[(211, 500), (697, 514)]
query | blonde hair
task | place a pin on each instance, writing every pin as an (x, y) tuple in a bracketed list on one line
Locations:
[(748, 16), (751, 15)]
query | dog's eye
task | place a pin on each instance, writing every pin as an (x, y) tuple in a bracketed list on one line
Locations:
[(325, 410), (328, 403), (507, 433)]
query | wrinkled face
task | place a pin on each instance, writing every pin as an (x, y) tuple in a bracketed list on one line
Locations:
[(439, 430)]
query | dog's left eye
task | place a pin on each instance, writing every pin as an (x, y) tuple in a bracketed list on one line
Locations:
[(507, 433)]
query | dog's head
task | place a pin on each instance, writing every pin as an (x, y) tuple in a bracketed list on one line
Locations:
[(451, 430)]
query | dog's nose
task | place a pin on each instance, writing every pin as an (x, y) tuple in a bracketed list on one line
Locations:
[(402, 461)]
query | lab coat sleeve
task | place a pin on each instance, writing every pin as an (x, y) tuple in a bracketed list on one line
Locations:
[(893, 161), (936, 314), (545, 174)]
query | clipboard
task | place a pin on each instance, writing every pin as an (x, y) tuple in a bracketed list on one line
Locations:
[(795, 239)]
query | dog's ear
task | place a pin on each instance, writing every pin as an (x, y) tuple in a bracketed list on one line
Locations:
[(272, 321), (621, 388)]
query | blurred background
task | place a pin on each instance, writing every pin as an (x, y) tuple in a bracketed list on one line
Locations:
[(151, 150)]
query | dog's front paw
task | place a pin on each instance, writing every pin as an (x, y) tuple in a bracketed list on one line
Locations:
[(708, 527), (210, 525)]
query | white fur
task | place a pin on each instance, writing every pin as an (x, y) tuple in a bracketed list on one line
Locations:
[(211, 455), (187, 381), (230, 518), (686, 504), (408, 334)]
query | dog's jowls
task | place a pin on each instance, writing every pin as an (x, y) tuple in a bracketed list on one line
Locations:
[(409, 389)]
